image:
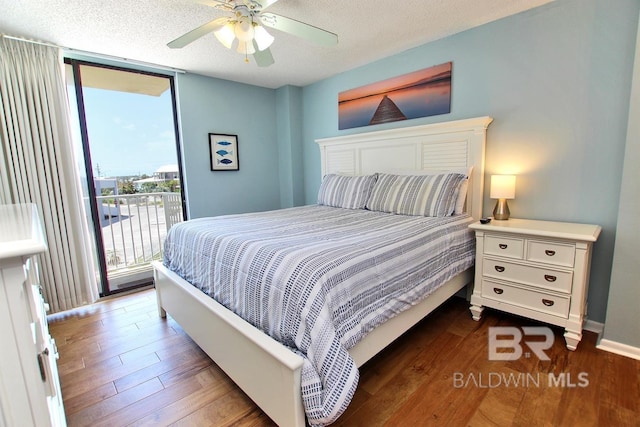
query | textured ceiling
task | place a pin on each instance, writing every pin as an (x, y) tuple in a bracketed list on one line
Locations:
[(140, 29)]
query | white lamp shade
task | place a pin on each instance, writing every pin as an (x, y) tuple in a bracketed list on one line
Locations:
[(244, 30), (226, 35), (246, 48), (262, 37), (503, 186)]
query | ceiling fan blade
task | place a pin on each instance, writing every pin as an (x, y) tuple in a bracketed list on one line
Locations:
[(300, 29), (263, 57), (194, 35), (266, 3)]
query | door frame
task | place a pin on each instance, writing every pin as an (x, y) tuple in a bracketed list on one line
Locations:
[(95, 215)]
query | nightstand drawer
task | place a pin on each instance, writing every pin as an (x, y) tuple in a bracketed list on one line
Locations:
[(532, 300), (551, 253), (504, 246), (547, 278)]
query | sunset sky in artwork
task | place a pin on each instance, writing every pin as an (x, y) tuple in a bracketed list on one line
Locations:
[(390, 84)]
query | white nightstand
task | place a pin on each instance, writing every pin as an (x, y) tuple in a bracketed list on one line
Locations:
[(535, 269)]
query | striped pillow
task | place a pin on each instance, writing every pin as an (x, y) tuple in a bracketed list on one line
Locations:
[(342, 191), (426, 195)]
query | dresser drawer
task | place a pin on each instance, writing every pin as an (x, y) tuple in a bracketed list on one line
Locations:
[(554, 280), (525, 298), (551, 253), (504, 246)]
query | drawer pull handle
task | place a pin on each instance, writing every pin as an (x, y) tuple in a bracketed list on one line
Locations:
[(549, 252), (499, 268), (499, 291), (550, 278), (547, 302), (502, 246), (41, 357)]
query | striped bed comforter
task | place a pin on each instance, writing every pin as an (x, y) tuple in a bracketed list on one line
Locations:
[(319, 278)]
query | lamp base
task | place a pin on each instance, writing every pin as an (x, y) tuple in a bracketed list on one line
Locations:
[(501, 211)]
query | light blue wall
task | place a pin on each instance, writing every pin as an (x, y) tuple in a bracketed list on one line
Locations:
[(556, 79), (207, 105), (291, 174), (623, 317)]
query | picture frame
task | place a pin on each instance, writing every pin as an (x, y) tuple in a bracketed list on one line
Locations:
[(421, 93), (223, 152)]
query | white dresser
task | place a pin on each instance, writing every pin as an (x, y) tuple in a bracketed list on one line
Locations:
[(29, 385), (535, 269)]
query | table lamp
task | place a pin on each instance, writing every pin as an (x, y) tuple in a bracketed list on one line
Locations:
[(503, 187)]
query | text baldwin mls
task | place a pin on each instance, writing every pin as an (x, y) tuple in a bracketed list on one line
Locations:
[(498, 379)]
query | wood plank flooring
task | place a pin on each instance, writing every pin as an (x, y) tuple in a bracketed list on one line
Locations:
[(120, 364)]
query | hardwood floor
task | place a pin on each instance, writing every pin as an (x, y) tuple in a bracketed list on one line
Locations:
[(120, 364)]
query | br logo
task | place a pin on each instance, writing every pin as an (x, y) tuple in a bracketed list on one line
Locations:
[(510, 338)]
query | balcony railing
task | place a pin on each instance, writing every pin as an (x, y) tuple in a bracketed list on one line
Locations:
[(134, 227)]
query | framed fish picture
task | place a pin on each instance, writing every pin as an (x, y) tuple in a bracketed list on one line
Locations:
[(223, 150)]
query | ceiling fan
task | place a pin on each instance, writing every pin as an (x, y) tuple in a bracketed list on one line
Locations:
[(246, 23)]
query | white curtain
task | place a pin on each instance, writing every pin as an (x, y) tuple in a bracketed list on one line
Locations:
[(37, 166)]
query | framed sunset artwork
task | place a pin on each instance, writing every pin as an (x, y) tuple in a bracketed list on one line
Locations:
[(422, 93)]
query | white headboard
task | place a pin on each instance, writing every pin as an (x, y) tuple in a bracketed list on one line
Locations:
[(439, 146)]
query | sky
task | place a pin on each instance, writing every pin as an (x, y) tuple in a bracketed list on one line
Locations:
[(129, 134)]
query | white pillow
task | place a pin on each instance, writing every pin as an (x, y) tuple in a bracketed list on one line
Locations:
[(461, 197)]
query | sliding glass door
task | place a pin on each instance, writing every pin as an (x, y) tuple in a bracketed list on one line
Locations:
[(127, 139)]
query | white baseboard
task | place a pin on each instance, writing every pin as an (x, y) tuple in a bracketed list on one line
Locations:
[(608, 345), (593, 326), (619, 348)]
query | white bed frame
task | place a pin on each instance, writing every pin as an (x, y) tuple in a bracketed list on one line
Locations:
[(268, 372)]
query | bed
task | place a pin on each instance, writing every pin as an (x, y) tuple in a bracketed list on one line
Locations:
[(269, 371)]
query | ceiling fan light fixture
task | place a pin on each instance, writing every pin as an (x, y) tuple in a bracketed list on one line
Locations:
[(262, 37), (226, 35), (244, 30), (247, 23)]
